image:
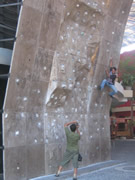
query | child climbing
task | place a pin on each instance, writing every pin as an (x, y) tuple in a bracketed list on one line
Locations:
[(72, 149), (111, 76)]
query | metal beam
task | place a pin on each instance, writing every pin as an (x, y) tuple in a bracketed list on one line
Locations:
[(1, 147), (9, 17), (10, 10), (4, 76), (7, 39), (6, 27), (1, 111), (18, 7), (10, 26), (12, 4), (6, 33)]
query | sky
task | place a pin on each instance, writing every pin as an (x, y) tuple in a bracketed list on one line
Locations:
[(129, 35), (128, 48)]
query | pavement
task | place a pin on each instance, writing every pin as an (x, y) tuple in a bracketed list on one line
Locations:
[(121, 167)]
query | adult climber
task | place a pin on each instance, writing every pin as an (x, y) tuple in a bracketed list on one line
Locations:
[(110, 80), (72, 150)]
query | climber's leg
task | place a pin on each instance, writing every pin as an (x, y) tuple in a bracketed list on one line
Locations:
[(104, 82), (114, 90)]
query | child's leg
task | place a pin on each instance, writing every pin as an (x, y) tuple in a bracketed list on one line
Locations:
[(66, 159), (75, 173), (103, 84), (59, 170), (114, 90), (75, 164)]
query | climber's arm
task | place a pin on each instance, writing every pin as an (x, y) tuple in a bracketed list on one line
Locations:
[(111, 64), (107, 73)]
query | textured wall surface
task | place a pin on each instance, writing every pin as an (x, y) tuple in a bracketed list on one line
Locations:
[(62, 50)]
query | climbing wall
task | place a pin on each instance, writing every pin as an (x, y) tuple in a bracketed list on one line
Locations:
[(62, 50)]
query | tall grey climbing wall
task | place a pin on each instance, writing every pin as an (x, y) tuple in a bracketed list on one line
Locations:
[(61, 52)]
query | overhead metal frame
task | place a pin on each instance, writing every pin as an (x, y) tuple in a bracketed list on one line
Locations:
[(7, 39), (11, 4), (9, 12), (7, 27)]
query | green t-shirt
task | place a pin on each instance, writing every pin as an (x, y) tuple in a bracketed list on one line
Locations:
[(72, 140)]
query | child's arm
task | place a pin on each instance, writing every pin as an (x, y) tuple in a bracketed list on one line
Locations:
[(111, 64), (72, 122), (107, 73), (78, 130)]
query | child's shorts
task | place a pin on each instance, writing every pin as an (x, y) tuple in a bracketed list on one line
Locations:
[(68, 156)]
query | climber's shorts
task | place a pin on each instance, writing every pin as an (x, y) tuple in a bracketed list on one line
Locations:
[(68, 156)]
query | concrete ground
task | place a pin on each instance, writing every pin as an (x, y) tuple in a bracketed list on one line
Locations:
[(121, 167)]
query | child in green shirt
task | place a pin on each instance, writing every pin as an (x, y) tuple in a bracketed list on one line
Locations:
[(72, 149)]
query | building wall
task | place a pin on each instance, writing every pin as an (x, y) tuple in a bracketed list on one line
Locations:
[(62, 50)]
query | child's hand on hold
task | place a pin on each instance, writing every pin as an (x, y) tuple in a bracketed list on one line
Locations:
[(77, 125)]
